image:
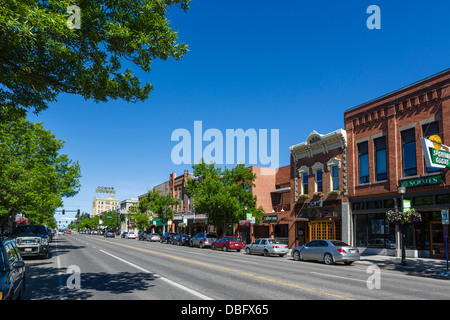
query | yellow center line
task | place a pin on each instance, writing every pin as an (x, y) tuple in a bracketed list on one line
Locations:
[(251, 275)]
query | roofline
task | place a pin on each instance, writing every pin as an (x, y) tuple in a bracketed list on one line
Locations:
[(398, 90)]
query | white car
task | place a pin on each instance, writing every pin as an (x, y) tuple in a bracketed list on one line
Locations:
[(130, 235)]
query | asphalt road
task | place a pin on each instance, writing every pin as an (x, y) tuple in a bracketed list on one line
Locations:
[(88, 267)]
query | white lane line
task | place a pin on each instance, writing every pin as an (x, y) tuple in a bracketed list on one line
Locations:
[(333, 276), (195, 293)]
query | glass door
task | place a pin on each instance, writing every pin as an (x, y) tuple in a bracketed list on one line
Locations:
[(437, 237)]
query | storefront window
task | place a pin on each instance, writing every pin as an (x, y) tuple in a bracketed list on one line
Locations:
[(373, 231)]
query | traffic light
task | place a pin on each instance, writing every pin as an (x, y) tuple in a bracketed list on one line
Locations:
[(64, 211), (78, 211)]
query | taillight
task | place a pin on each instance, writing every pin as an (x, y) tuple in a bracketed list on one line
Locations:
[(341, 250), (357, 250), (275, 247)]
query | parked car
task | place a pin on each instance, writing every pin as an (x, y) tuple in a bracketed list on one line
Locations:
[(32, 240), (167, 237), (143, 235), (12, 271), (328, 251), (110, 234), (203, 239), (267, 246), (153, 237), (180, 239), (227, 243), (130, 235)]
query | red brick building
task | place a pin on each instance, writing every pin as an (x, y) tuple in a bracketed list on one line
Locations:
[(321, 209), (384, 152)]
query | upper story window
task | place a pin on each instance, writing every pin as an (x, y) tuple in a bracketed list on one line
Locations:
[(409, 152), (335, 177), (319, 180), (363, 162), (305, 182), (380, 158)]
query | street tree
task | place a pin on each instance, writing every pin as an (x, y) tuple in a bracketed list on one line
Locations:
[(88, 49), (161, 205), (34, 176), (224, 195)]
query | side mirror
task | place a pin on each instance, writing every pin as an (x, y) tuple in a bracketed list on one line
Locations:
[(18, 264)]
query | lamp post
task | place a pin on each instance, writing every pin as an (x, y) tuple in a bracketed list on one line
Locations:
[(402, 191)]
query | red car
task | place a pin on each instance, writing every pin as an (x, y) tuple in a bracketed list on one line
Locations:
[(227, 243)]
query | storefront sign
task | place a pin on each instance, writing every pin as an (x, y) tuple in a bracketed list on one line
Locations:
[(421, 181), (268, 219), (314, 204), (436, 154)]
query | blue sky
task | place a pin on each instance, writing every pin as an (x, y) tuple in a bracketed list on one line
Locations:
[(290, 65)]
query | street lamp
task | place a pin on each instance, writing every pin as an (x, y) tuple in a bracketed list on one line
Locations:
[(402, 191)]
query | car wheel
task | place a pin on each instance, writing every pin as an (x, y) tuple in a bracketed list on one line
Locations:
[(200, 245), (266, 253), (328, 259), (247, 251), (297, 256), (225, 248)]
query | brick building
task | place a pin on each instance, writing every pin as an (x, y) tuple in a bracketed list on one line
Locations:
[(321, 209), (384, 152), (273, 192)]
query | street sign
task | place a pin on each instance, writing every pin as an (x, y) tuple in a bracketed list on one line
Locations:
[(406, 205), (445, 217)]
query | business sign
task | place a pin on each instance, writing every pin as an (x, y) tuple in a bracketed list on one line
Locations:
[(436, 154), (314, 204), (268, 219), (417, 182), (105, 190)]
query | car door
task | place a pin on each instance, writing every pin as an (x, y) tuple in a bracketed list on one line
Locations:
[(321, 249), (16, 273), (308, 250), (254, 246), (262, 245)]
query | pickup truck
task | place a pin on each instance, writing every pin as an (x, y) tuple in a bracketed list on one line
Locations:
[(32, 240)]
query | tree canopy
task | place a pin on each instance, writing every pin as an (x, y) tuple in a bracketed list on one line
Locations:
[(52, 47), (34, 176), (224, 195)]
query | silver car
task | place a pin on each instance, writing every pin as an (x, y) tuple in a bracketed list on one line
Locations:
[(153, 237), (328, 251), (203, 239), (267, 246)]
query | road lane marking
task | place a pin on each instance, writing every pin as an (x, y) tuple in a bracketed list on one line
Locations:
[(334, 276), (247, 274), (173, 283)]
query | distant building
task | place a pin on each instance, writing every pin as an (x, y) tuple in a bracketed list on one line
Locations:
[(100, 205)]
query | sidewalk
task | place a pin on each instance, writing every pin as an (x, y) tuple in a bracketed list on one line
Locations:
[(424, 266)]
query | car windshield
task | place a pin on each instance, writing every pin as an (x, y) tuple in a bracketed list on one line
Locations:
[(30, 229), (339, 244)]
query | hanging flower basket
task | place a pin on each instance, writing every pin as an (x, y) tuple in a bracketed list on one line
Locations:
[(408, 216), (244, 223), (22, 220), (317, 194)]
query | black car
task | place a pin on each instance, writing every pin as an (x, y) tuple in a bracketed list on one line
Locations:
[(167, 237), (32, 240), (12, 271), (181, 239)]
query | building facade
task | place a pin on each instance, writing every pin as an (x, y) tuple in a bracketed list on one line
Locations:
[(321, 208), (100, 205), (385, 152)]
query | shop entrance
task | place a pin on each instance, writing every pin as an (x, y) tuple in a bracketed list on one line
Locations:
[(437, 240), (324, 229)]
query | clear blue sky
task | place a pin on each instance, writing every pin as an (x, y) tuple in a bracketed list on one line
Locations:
[(291, 65)]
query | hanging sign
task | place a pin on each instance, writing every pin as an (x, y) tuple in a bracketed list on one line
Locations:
[(436, 154)]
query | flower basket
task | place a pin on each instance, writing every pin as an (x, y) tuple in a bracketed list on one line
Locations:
[(244, 223), (334, 193), (22, 220), (408, 216), (302, 197), (317, 194)]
